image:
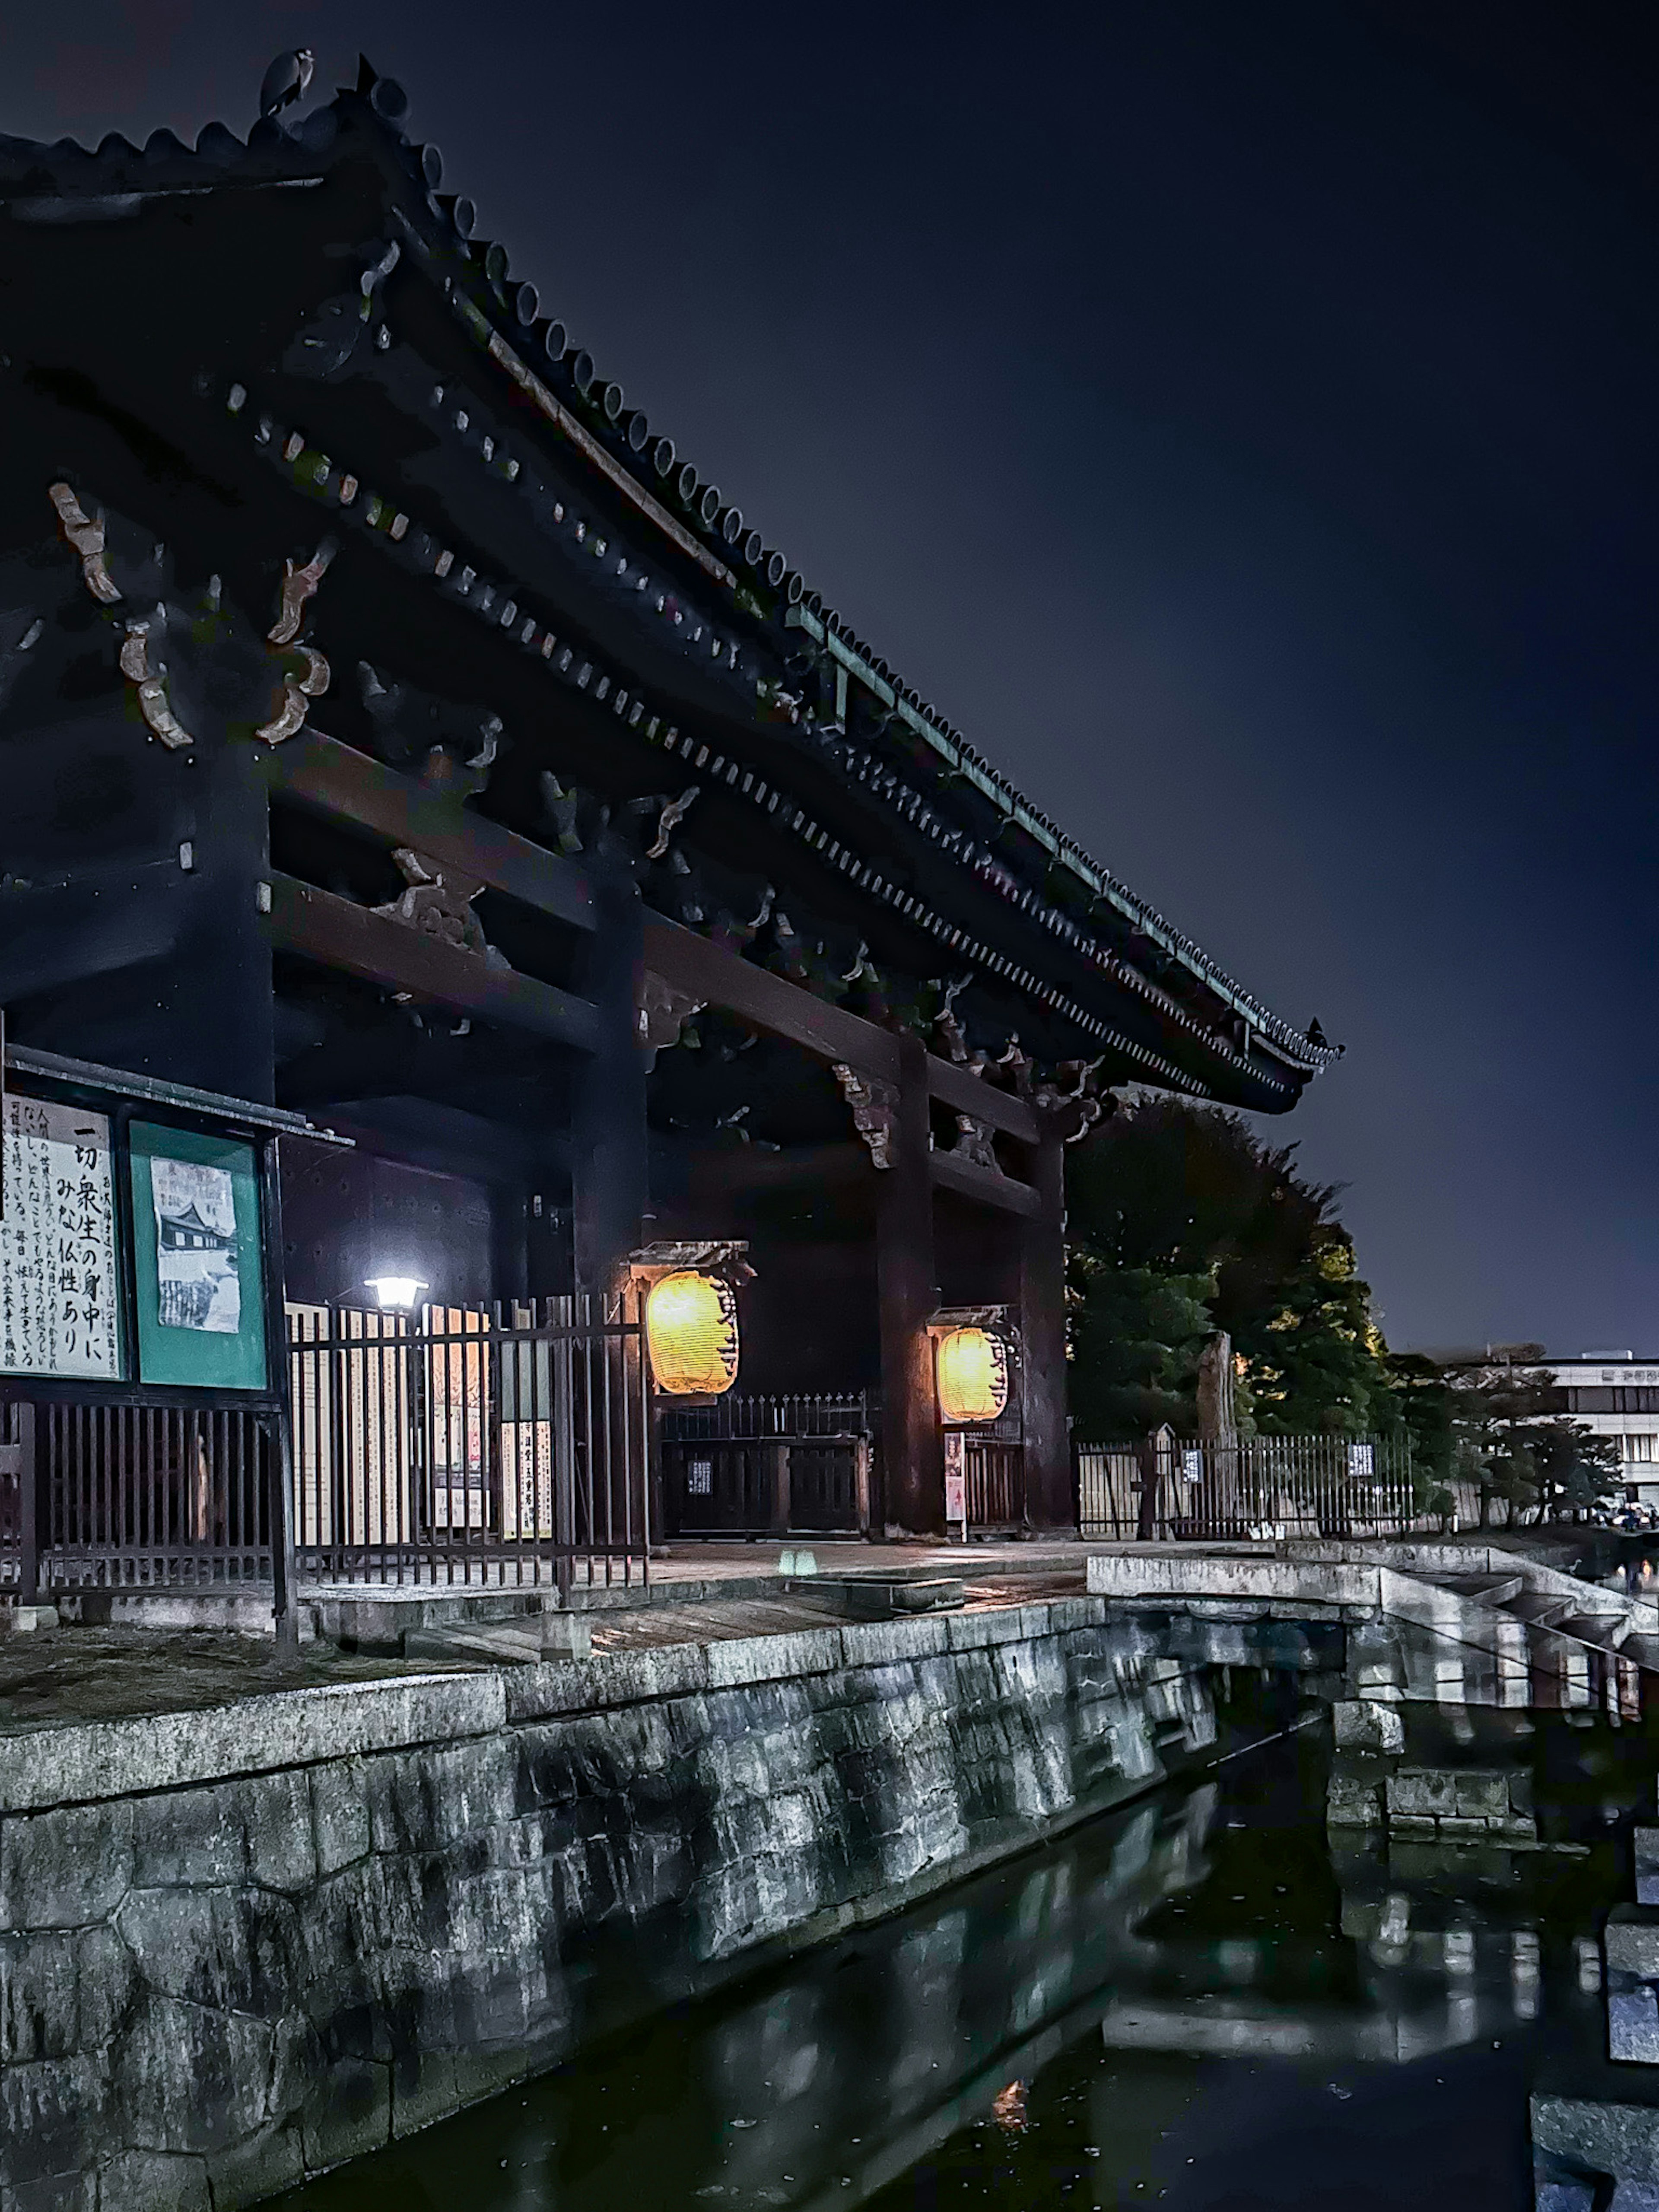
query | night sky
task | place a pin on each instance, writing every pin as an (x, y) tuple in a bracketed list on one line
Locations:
[(1239, 417)]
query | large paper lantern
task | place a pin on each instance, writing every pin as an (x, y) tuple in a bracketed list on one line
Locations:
[(973, 1375), (691, 1328)]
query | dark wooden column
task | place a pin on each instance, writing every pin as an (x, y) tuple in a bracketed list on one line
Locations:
[(1049, 1490), (913, 1461), (609, 1162)]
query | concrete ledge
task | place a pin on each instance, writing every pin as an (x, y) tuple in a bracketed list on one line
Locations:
[(97, 1760), (773, 1658), (560, 1686), (1257, 1577)]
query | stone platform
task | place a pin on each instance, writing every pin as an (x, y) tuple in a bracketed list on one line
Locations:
[(280, 1924)]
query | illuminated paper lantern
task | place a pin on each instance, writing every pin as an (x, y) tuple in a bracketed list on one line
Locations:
[(691, 1328), (973, 1375)]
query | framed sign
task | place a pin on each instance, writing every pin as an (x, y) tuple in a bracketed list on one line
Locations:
[(60, 1277), (198, 1259)]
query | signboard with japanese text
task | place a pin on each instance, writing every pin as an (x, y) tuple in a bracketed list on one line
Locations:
[(198, 1256), (59, 1257)]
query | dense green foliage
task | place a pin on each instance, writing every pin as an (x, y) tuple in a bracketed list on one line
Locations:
[(1181, 1222)]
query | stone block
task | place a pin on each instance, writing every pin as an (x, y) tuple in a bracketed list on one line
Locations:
[(567, 1636), (1598, 2136), (102, 1759), (53, 2192), (1421, 1792), (259, 2166), (50, 2111), (1457, 1829), (349, 2113), (1353, 1801), (609, 1680), (1482, 1795), (1632, 2020), (1630, 1942), (887, 1643), (153, 2181), (1421, 1826), (1645, 1844), (745, 1659), (1630, 2196), (1363, 1724), (188, 2079), (340, 1814), (65, 1868)]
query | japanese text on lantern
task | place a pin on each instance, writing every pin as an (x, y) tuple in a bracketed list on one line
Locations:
[(58, 1279)]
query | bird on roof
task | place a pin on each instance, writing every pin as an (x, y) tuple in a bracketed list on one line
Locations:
[(1315, 1035), (288, 79)]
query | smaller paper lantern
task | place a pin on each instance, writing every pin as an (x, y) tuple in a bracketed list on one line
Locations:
[(973, 1375), (691, 1328)]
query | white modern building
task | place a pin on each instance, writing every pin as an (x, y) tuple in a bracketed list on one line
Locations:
[(1617, 1395)]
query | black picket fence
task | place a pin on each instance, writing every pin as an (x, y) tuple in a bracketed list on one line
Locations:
[(1245, 1488)]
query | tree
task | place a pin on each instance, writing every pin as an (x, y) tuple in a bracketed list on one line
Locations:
[(1180, 1221), (1514, 1444)]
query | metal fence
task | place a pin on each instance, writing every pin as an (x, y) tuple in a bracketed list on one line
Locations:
[(511, 1446), (111, 1498), (769, 1466), (1247, 1487)]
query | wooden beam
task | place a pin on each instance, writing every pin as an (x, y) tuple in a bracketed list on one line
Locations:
[(949, 1171), (733, 985), (747, 1168), (339, 933), (338, 780), (965, 1092)]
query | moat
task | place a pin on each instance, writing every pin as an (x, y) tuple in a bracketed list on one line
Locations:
[(1207, 1998)]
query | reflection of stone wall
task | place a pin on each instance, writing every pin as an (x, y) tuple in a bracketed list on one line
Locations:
[(239, 1946)]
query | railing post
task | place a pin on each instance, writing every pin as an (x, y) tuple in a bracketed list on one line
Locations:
[(17, 1459), (279, 1457)]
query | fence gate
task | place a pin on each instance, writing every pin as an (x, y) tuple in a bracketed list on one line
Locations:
[(755, 1467), (1250, 1487), (507, 1446)]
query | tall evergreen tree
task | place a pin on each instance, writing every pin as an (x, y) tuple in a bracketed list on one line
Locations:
[(1180, 1221)]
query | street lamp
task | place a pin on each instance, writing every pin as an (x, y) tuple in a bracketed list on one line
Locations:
[(395, 1293)]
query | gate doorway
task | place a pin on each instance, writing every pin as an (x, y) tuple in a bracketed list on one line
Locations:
[(753, 1467)]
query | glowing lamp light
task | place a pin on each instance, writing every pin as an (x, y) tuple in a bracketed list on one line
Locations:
[(691, 1329), (973, 1375), (395, 1293)]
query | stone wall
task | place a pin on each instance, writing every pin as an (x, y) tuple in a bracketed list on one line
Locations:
[(239, 1947)]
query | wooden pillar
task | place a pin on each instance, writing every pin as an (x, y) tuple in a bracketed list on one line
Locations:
[(912, 1460), (1050, 1502), (608, 1156)]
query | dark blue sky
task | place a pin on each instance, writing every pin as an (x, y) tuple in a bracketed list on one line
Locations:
[(1239, 418)]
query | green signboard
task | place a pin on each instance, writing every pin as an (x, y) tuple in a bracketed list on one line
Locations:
[(198, 1257)]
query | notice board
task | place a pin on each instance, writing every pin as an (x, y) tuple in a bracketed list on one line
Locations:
[(60, 1281), (199, 1259)]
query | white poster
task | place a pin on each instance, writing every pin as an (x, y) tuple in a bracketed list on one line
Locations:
[(59, 1287), (197, 1285), (956, 1478)]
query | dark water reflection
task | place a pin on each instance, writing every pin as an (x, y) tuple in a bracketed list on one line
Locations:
[(1198, 2002)]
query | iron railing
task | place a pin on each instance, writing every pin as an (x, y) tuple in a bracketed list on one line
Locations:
[(507, 1446), (1247, 1487), (113, 1498)]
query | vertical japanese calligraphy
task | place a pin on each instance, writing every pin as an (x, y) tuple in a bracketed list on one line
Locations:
[(59, 1295)]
